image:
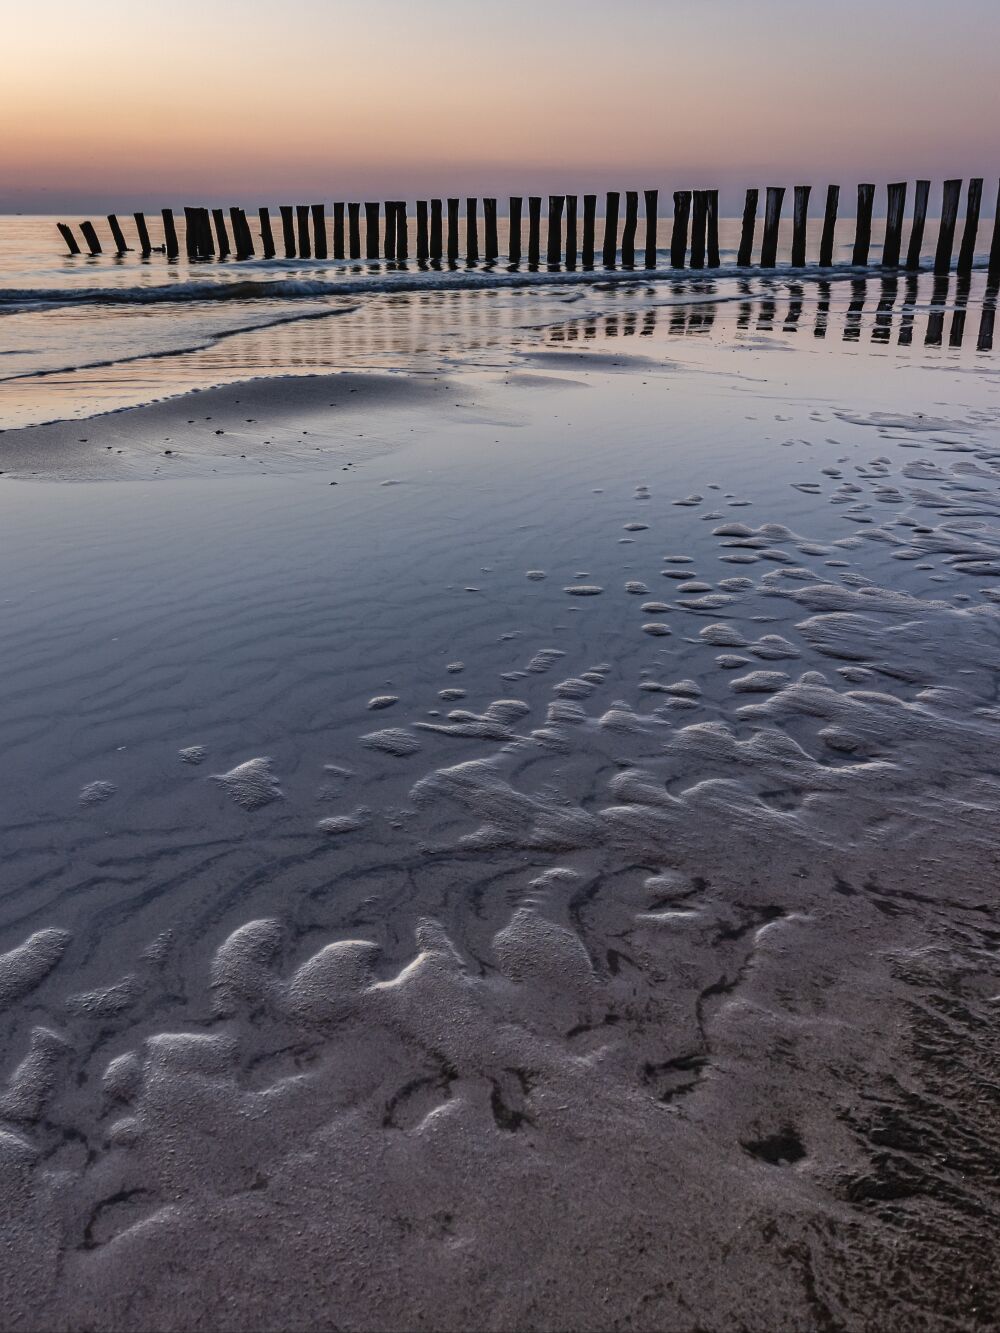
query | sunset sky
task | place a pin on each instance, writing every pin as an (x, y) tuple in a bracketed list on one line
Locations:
[(112, 106)]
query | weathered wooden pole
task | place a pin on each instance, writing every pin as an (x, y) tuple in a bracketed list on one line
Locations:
[(967, 250), (117, 235), (246, 235), (145, 245), (679, 235), (553, 236), (67, 234), (946, 236), (389, 232), (266, 235), (492, 248), (699, 217), (630, 227), (863, 231), (90, 236), (354, 229), (338, 230), (169, 233), (471, 231), (302, 219), (402, 231), (800, 215), (423, 250), (191, 242), (895, 210), (371, 230), (514, 229), (744, 257), (652, 202), (437, 235), (772, 217), (319, 231), (534, 228), (239, 241), (452, 230), (827, 239), (994, 270), (589, 228), (288, 230), (610, 256), (219, 218), (571, 231), (205, 233), (920, 198), (712, 217)]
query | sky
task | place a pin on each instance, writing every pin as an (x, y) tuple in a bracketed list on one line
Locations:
[(111, 106)]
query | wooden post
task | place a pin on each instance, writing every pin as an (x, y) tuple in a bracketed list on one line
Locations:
[(712, 212), (145, 245), (389, 231), (629, 229), (354, 230), (772, 217), (994, 269), (967, 250), (191, 243), (800, 214), (302, 219), (679, 235), (67, 234), (553, 238), (894, 224), (471, 231), (452, 230), (242, 239), (371, 230), (266, 235), (829, 226), (90, 236), (288, 230), (117, 235), (863, 231), (205, 233), (338, 230), (169, 233), (437, 241), (744, 257), (610, 255), (920, 199), (422, 249), (492, 250), (514, 230), (219, 218), (589, 224), (534, 228), (319, 231), (571, 239), (402, 231), (652, 200), (698, 221), (946, 236)]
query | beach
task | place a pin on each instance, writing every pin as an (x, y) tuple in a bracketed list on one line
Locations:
[(498, 804)]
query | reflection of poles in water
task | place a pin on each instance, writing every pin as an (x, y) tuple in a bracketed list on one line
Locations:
[(822, 309), (962, 284), (766, 313), (746, 307), (882, 328), (906, 317), (745, 256), (855, 309), (648, 321), (894, 224), (794, 314), (935, 320), (987, 320)]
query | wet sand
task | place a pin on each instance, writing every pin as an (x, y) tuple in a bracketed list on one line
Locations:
[(546, 880)]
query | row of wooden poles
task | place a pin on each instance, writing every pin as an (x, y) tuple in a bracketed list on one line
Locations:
[(694, 238)]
